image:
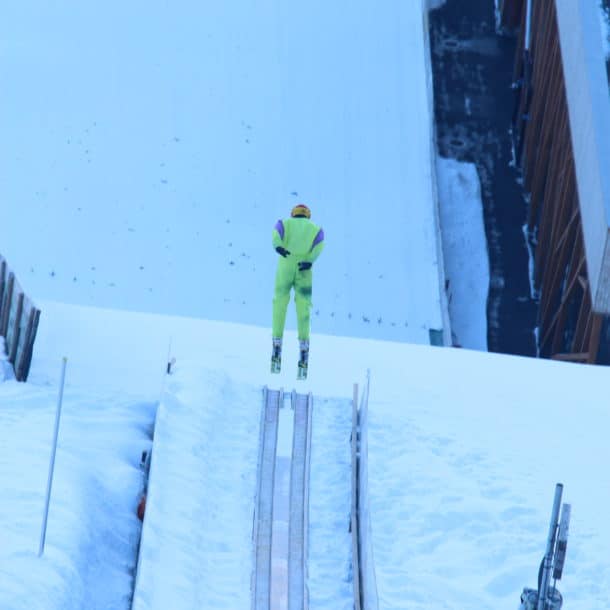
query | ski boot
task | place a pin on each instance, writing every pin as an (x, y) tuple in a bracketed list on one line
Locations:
[(303, 360), (276, 356)]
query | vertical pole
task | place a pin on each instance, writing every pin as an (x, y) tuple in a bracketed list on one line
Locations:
[(43, 532), (356, 576), (528, 25), (550, 546)]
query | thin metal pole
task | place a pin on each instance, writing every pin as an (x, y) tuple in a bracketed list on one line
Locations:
[(45, 516), (528, 25), (550, 545)]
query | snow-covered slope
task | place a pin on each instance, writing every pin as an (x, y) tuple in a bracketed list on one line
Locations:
[(148, 149), (92, 531), (464, 451), (152, 147)]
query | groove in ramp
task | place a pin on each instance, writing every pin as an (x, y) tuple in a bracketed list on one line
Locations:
[(281, 507), (263, 519), (281, 512), (297, 595)]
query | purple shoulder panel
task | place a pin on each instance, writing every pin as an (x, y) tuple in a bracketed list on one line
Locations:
[(279, 227), (319, 238)]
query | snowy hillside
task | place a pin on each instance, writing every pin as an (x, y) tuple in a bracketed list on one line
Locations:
[(152, 148), (464, 452), (148, 150)]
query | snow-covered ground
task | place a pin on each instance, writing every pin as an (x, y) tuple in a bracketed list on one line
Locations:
[(196, 545), (464, 451), (147, 151), (465, 251), (92, 531)]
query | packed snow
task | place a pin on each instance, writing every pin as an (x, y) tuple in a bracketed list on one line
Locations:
[(464, 451), (196, 545), (465, 252), (148, 152), (93, 531)]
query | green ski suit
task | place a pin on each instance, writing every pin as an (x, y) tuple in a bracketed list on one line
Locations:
[(304, 241)]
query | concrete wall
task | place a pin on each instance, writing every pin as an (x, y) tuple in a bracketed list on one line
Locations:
[(444, 333)]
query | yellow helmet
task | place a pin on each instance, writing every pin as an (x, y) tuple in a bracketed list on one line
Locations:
[(301, 210)]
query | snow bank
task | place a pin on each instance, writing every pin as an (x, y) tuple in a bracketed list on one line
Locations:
[(152, 167), (92, 532), (465, 251), (196, 543), (464, 454)]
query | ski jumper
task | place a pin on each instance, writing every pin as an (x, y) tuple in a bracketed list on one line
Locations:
[(304, 241)]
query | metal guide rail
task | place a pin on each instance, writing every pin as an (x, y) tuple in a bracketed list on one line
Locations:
[(265, 594)]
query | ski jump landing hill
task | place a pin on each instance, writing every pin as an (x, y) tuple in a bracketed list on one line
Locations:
[(175, 154), (151, 176)]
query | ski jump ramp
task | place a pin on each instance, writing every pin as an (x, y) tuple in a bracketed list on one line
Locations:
[(279, 577)]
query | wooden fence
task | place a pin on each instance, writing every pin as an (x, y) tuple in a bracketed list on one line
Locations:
[(18, 322)]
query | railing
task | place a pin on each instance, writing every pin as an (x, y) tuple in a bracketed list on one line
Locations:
[(365, 585), (18, 322), (356, 576)]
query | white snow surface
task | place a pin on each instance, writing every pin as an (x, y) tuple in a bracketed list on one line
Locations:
[(465, 251), (464, 451), (93, 530), (196, 544), (145, 135)]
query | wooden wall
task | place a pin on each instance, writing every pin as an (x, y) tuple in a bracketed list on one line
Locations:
[(510, 14), (18, 322), (569, 329)]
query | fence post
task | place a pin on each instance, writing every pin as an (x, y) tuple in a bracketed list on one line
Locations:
[(12, 349), (45, 516), (6, 304), (2, 284), (20, 363), (29, 348)]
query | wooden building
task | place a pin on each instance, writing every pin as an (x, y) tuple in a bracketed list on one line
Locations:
[(561, 133)]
